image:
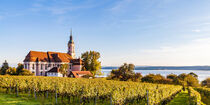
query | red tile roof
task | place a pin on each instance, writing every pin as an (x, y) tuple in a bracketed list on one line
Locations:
[(78, 74), (35, 56)]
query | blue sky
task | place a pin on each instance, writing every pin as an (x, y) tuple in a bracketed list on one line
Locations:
[(143, 32)]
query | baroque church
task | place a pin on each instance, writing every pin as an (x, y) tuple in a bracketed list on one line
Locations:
[(48, 63)]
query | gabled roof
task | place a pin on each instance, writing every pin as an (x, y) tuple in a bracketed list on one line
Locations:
[(54, 70), (59, 57), (37, 56), (77, 74), (34, 55)]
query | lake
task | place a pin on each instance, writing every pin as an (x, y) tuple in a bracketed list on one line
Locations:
[(202, 74)]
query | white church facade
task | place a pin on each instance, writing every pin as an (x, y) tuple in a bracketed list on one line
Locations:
[(41, 63)]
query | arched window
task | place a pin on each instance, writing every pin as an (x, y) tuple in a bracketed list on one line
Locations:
[(33, 66), (41, 66), (45, 66), (69, 66), (25, 66)]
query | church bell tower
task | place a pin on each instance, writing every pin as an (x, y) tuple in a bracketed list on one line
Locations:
[(71, 50)]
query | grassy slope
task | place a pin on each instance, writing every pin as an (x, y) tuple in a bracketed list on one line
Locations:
[(11, 99), (6, 99), (181, 99)]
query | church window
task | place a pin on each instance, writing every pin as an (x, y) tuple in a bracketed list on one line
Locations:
[(25, 66), (70, 66), (45, 66), (41, 66), (33, 66)]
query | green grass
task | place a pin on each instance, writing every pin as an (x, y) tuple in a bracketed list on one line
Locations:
[(181, 99), (7, 99), (25, 99)]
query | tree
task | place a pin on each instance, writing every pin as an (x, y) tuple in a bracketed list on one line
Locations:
[(172, 76), (206, 83), (64, 69), (20, 68), (193, 74), (187, 80), (137, 77), (26, 72), (125, 73), (191, 81), (4, 68), (91, 62), (11, 71)]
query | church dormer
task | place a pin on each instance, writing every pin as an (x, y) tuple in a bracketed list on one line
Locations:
[(71, 50)]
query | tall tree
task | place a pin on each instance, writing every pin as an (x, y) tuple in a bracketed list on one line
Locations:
[(125, 73), (91, 62), (64, 69), (20, 68), (193, 74), (4, 68)]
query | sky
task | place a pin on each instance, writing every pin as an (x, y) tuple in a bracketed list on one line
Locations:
[(142, 32)]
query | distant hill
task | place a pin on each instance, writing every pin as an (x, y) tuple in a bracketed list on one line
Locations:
[(165, 67)]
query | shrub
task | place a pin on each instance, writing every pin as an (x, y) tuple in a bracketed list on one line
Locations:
[(125, 73), (156, 78), (206, 83), (87, 76), (172, 76), (195, 97)]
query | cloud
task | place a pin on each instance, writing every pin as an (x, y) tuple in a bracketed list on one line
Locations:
[(61, 7), (203, 24), (196, 30), (119, 5), (63, 10), (196, 52)]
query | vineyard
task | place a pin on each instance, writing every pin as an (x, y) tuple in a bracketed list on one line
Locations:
[(91, 90), (195, 97), (205, 94)]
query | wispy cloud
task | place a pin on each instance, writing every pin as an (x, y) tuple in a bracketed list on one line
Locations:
[(196, 30), (195, 53), (61, 7), (203, 24), (120, 5)]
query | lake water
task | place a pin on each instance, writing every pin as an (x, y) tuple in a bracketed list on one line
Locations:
[(202, 74)]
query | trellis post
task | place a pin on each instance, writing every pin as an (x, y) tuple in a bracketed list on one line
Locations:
[(110, 99), (34, 92), (56, 95), (147, 97), (16, 89)]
